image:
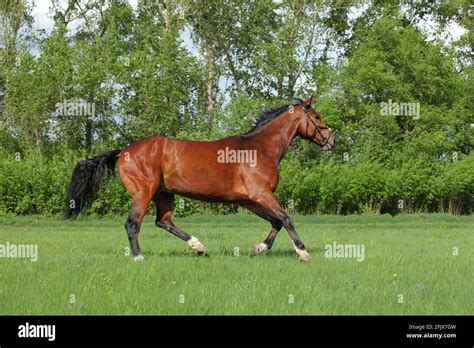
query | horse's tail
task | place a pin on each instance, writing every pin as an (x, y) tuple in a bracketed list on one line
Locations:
[(85, 181)]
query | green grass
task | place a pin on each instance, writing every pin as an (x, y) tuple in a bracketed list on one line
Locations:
[(86, 258)]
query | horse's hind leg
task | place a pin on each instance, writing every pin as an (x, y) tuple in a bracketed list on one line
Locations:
[(134, 221), (164, 210)]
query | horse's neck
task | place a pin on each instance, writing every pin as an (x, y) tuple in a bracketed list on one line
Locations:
[(276, 137)]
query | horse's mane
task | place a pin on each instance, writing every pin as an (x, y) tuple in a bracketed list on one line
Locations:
[(267, 115)]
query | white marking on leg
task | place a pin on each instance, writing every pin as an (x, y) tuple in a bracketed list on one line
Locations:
[(303, 254), (196, 245), (139, 257)]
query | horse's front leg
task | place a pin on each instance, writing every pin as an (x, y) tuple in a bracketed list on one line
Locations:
[(269, 205)]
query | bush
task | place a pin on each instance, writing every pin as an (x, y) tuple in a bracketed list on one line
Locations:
[(456, 187), (33, 184)]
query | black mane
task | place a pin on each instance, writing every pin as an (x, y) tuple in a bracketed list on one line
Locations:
[(267, 115)]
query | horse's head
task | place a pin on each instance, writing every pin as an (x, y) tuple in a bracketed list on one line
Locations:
[(312, 126)]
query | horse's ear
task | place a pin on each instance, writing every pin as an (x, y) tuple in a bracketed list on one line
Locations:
[(308, 101)]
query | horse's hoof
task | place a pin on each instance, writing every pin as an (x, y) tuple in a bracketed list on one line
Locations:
[(304, 256), (302, 253), (254, 250), (138, 258), (200, 249), (257, 249), (196, 245)]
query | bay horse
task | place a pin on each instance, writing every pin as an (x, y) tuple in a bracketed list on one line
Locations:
[(156, 168)]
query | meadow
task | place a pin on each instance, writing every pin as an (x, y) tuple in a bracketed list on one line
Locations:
[(413, 264)]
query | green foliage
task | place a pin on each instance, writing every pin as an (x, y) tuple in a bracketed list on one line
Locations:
[(29, 184), (456, 186), (357, 187)]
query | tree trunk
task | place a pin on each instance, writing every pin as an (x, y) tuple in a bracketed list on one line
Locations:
[(88, 135), (209, 89), (235, 73)]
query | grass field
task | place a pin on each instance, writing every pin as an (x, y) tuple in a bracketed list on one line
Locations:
[(409, 267)]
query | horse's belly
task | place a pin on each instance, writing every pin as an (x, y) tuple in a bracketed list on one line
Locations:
[(206, 183)]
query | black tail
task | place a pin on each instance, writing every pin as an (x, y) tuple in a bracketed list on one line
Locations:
[(85, 181)]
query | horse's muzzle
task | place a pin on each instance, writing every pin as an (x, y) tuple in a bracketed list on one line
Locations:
[(329, 146)]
